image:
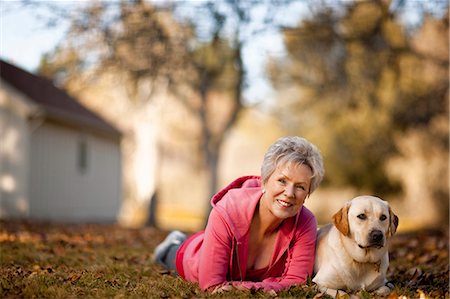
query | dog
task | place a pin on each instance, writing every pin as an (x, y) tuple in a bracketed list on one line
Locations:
[(352, 253)]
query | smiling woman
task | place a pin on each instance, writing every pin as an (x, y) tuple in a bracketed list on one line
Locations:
[(259, 235), (286, 190)]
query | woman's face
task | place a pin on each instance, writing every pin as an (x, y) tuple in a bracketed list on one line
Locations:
[(286, 189)]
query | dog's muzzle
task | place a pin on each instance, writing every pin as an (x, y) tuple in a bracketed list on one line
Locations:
[(375, 239)]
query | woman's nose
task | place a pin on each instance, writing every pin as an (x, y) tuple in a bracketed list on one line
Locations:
[(289, 191)]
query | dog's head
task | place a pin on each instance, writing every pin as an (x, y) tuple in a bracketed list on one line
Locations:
[(367, 220)]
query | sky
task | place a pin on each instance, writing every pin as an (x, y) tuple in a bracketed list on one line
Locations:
[(24, 38)]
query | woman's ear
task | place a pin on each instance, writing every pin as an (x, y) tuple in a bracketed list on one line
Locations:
[(340, 220)]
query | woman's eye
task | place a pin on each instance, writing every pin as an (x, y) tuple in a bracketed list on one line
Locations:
[(300, 187), (282, 181), (362, 216), (383, 217)]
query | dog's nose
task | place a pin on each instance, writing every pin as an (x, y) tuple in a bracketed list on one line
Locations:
[(376, 236)]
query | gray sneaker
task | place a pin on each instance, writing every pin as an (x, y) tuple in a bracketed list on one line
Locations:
[(174, 238)]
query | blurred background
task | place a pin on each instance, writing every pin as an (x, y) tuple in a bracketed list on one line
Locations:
[(188, 95)]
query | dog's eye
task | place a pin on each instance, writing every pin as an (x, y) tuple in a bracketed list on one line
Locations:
[(383, 217), (362, 216)]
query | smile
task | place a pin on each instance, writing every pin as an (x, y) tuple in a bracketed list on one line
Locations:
[(284, 203)]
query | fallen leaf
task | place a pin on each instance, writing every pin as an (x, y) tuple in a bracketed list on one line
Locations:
[(421, 294)]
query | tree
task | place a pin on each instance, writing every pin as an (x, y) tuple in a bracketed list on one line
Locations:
[(356, 83), (133, 50), (203, 69), (219, 71)]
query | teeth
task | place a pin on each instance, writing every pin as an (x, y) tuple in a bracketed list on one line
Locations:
[(284, 204)]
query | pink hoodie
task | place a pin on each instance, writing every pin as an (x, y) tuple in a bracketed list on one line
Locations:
[(219, 254)]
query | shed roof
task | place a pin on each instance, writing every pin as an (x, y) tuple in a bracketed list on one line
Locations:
[(57, 105)]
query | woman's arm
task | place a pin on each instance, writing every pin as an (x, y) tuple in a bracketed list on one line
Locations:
[(216, 251)]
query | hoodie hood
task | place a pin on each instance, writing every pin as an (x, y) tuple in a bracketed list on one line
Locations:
[(236, 203), (250, 181)]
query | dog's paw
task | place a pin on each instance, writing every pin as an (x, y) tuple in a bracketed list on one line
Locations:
[(383, 291), (336, 293)]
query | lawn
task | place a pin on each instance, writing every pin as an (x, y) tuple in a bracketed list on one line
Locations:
[(41, 260)]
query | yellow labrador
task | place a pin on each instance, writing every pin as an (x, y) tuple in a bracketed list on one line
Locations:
[(352, 254)]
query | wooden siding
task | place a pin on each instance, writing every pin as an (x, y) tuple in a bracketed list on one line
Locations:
[(14, 152), (14, 144), (61, 188)]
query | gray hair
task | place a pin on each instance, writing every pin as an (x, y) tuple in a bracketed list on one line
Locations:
[(297, 150)]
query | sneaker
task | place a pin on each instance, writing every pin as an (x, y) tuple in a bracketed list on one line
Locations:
[(174, 238)]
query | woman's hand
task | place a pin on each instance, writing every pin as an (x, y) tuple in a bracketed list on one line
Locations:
[(272, 293), (222, 288), (228, 286)]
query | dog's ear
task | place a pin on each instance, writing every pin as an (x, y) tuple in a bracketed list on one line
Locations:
[(393, 223), (340, 220)]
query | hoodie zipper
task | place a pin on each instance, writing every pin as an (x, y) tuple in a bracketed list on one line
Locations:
[(237, 258)]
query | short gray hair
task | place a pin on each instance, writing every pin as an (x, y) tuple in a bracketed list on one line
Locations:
[(297, 150)]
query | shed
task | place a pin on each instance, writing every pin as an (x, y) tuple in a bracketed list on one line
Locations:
[(59, 161)]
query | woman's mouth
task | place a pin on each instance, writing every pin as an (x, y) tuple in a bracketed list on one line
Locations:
[(284, 203)]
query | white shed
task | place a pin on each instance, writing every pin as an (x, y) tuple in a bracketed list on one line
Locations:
[(58, 160)]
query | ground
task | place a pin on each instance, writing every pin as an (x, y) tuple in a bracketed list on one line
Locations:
[(42, 260)]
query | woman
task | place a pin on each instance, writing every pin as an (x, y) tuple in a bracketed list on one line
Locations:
[(259, 235)]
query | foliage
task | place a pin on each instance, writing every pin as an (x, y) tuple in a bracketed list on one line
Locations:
[(131, 39), (153, 55), (42, 260), (355, 81), (196, 60)]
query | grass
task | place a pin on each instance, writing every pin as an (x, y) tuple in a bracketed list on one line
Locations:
[(39, 260)]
